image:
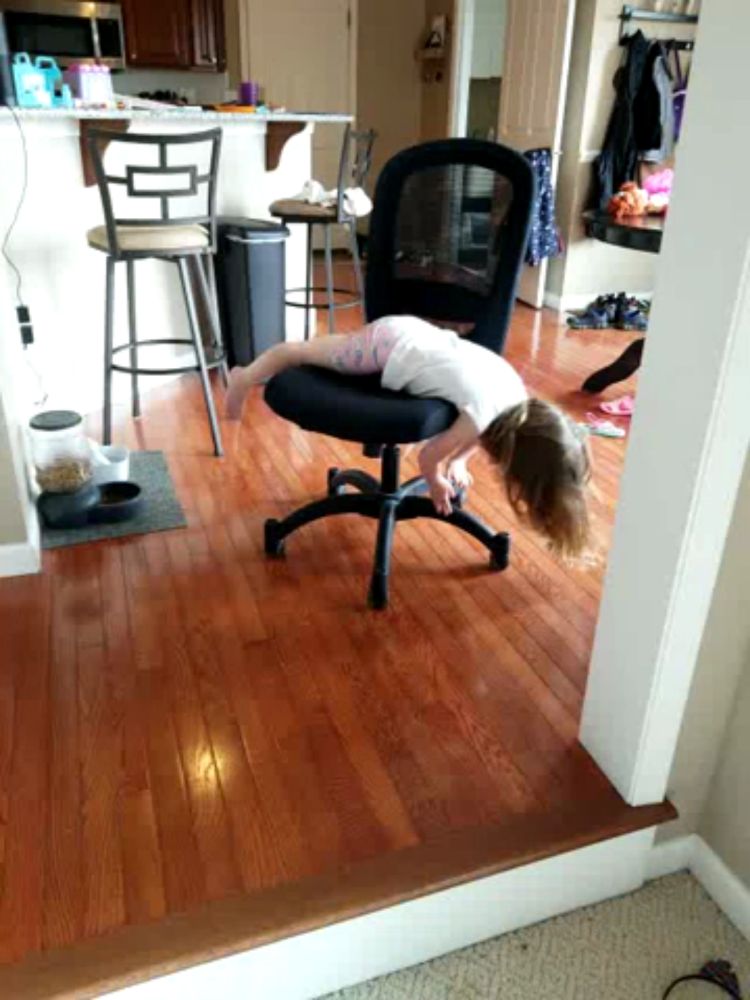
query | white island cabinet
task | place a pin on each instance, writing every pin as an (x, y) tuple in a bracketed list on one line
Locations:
[(62, 280)]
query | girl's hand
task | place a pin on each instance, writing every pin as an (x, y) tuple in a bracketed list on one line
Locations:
[(459, 474), (442, 492)]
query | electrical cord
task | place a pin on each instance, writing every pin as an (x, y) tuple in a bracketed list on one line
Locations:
[(718, 973), (42, 394), (9, 232)]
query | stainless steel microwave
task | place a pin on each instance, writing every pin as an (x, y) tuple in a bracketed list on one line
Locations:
[(70, 30)]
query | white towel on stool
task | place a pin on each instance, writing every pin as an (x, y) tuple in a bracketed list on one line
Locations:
[(357, 202)]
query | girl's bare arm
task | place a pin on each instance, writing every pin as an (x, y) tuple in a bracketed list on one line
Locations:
[(435, 457)]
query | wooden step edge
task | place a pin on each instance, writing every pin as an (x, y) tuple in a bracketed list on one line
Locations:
[(241, 922)]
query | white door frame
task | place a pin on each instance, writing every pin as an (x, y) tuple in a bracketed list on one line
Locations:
[(689, 439), (689, 436), (461, 53)]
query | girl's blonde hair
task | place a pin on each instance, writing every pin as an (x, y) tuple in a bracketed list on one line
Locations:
[(544, 460)]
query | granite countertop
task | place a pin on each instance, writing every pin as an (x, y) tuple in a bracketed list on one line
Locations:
[(177, 114)]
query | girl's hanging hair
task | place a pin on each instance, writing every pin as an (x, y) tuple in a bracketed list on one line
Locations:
[(544, 460)]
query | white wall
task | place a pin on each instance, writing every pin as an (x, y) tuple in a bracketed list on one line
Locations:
[(725, 823), (64, 278), (196, 88), (724, 653), (12, 519), (19, 533), (689, 438), (488, 44), (388, 76)]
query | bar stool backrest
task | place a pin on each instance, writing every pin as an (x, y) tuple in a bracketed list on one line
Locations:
[(354, 165), (156, 180)]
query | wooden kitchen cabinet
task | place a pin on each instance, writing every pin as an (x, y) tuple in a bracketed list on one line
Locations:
[(175, 34), (207, 23)]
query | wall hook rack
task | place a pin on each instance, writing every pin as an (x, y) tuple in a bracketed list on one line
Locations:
[(630, 13)]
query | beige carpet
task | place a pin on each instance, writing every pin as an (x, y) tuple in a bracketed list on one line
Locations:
[(627, 949)]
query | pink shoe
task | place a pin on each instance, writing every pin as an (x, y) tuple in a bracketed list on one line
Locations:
[(622, 407), (603, 428)]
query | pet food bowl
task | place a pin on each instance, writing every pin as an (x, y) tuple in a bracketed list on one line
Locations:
[(68, 510), (117, 502)]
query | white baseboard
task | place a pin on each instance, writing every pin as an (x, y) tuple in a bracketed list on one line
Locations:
[(669, 857), (552, 301), (20, 559), (729, 892), (353, 951)]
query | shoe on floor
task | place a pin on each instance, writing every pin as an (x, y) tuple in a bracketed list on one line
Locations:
[(630, 313), (607, 301), (598, 315), (621, 407), (632, 319)]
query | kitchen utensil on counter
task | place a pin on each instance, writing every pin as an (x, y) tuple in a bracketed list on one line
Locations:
[(60, 451)]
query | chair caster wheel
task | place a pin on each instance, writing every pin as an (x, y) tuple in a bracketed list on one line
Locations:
[(377, 598), (272, 541), (500, 552), (334, 491)]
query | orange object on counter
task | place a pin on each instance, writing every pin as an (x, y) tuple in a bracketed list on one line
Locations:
[(238, 109)]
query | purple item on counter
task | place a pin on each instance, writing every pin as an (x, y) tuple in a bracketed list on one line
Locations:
[(249, 92)]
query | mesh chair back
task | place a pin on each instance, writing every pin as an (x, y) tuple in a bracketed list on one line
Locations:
[(448, 235), (156, 180), (354, 165)]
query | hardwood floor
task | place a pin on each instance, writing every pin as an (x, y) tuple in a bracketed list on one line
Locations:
[(184, 723)]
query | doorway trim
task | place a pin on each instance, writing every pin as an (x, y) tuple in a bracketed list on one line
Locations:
[(461, 53), (679, 486), (690, 438)]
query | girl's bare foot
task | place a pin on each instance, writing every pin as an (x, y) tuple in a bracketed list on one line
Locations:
[(236, 392)]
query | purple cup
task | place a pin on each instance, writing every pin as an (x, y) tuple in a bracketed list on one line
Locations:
[(249, 92)]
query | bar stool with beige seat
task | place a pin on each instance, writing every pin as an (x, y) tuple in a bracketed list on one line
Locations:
[(159, 201), (354, 166)]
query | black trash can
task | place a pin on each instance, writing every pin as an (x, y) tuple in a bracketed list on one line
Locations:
[(251, 283)]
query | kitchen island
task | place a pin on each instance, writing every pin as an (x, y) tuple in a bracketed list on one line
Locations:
[(264, 157)]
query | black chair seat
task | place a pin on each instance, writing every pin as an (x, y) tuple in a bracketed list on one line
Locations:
[(355, 408)]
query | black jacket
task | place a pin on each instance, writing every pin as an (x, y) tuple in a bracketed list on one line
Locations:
[(619, 156)]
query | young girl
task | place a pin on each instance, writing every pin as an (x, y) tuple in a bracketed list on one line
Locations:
[(538, 451)]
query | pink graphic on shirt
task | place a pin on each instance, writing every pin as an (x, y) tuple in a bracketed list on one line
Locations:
[(367, 351)]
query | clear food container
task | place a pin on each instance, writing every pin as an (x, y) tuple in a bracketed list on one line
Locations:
[(60, 451)]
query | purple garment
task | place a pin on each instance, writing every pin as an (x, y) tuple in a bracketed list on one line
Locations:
[(679, 94)]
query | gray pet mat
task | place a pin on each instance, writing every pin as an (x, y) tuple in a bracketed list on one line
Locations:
[(161, 509)]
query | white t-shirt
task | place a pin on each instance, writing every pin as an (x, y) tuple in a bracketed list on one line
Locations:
[(427, 360)]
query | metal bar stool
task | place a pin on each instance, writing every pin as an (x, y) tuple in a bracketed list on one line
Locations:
[(354, 166), (161, 204)]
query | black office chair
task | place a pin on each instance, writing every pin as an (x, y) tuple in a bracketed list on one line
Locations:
[(447, 239)]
